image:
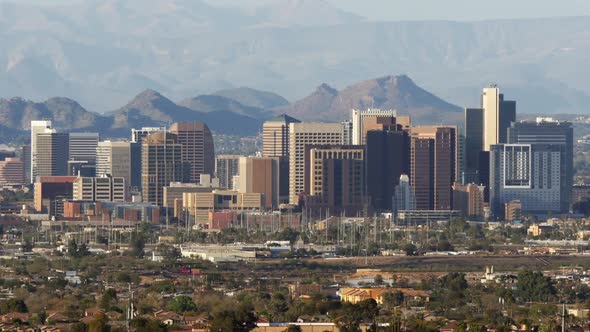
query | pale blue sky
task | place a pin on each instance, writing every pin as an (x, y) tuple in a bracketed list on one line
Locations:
[(428, 9)]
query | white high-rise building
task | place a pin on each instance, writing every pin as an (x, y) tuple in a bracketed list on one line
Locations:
[(302, 135), (114, 159), (358, 117), (37, 127), (404, 195), (498, 114)]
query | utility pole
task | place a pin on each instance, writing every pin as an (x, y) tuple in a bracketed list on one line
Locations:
[(563, 318)]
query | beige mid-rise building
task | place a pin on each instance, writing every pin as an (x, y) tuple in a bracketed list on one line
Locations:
[(12, 171), (198, 205), (161, 164), (374, 119), (105, 188), (260, 175), (301, 137), (226, 167), (498, 114)]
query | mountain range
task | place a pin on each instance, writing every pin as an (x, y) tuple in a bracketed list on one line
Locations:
[(102, 52), (239, 111)]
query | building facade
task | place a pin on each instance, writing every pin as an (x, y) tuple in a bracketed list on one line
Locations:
[(37, 127), (198, 152), (161, 164), (51, 156), (12, 172), (114, 159), (106, 188), (260, 175), (498, 115), (336, 178), (302, 135), (226, 167)]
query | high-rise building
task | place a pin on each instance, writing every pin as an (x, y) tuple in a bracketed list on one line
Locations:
[(260, 175), (555, 133), (433, 166), (83, 147), (275, 136), (37, 127), (114, 159), (198, 152), (275, 143), (387, 158), (161, 164), (525, 172), (12, 171), (363, 121), (301, 136), (469, 199), (347, 132), (26, 159), (226, 167), (51, 153), (474, 127), (137, 135), (51, 191), (498, 114), (103, 188), (404, 197), (336, 179)]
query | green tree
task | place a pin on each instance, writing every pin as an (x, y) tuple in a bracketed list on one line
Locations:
[(147, 325), (13, 305), (410, 249), (378, 280), (534, 286), (99, 324), (240, 319), (182, 303), (137, 244), (79, 327), (108, 297), (393, 299)]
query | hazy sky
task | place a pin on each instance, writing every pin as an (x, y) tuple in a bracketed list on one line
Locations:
[(427, 9)]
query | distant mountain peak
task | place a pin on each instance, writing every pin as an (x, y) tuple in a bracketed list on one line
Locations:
[(325, 88), (388, 92)]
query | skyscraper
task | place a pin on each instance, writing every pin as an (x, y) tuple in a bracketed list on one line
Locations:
[(474, 127), (226, 167), (275, 136), (529, 173), (114, 159), (161, 164), (498, 114), (260, 175), (387, 158), (51, 153), (198, 152), (137, 135), (363, 120), (404, 197), (83, 147), (555, 133), (37, 127), (336, 179), (433, 166), (302, 135)]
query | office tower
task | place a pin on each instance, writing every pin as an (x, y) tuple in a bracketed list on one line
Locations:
[(12, 171), (161, 164), (275, 143), (512, 211), (387, 158), (361, 120), (404, 198), (81, 168), (83, 147), (226, 167), (336, 179), (474, 136), (137, 135), (37, 127), (469, 199), (275, 136), (555, 133), (26, 159), (105, 188), (113, 159), (498, 114), (346, 132), (433, 166), (302, 135), (198, 153), (51, 153), (260, 175), (525, 172)]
